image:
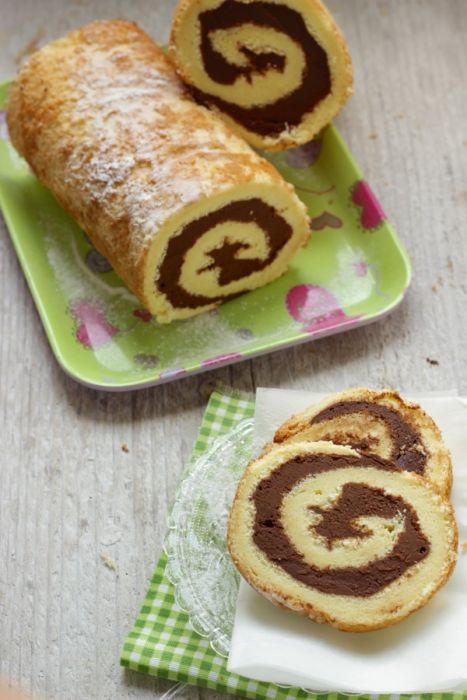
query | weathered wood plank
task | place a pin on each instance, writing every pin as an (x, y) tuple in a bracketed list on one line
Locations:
[(69, 494)]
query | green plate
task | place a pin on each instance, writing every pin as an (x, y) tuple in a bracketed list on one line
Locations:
[(353, 271)]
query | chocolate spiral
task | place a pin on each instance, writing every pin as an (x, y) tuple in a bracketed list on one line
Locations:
[(338, 522), (223, 258), (407, 452), (274, 117)]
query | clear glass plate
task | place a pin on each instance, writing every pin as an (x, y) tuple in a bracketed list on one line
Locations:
[(199, 564)]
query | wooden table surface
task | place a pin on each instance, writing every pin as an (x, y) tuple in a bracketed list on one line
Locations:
[(69, 495)]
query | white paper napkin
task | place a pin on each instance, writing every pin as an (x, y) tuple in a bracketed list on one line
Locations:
[(427, 652)]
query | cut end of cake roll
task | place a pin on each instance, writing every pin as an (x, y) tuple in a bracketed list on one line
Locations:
[(380, 423), (215, 250), (347, 539), (186, 212), (277, 71)]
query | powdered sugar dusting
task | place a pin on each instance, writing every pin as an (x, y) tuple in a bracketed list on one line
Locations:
[(211, 338), (73, 276), (135, 141)]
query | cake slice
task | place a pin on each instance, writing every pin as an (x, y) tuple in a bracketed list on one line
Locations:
[(347, 539), (277, 71), (380, 423)]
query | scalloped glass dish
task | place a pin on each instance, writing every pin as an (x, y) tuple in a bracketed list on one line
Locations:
[(353, 271), (199, 564)]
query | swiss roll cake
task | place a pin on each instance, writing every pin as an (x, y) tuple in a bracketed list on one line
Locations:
[(380, 423), (347, 539), (186, 212), (277, 70)]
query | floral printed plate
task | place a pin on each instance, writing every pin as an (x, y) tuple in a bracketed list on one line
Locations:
[(353, 271)]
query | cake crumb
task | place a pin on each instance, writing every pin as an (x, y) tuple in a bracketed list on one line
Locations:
[(125, 448), (207, 386), (460, 199), (432, 362), (108, 562), (373, 135)]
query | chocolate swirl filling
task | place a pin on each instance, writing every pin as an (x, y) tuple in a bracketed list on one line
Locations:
[(224, 258), (272, 118), (408, 452), (356, 500)]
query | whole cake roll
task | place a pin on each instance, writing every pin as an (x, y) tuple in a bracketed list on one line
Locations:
[(277, 70), (185, 211), (347, 539), (380, 423)]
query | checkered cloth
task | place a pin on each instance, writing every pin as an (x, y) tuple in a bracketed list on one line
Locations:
[(163, 642)]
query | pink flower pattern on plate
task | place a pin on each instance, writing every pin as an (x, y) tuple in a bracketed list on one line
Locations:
[(143, 314), (93, 330), (221, 358), (325, 220), (372, 214), (173, 372), (361, 268), (316, 308)]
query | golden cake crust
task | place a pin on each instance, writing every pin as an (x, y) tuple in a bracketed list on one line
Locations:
[(438, 467)]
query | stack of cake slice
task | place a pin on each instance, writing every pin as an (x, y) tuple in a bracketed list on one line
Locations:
[(345, 516)]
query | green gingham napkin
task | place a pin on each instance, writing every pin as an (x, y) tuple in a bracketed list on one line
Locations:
[(163, 642)]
